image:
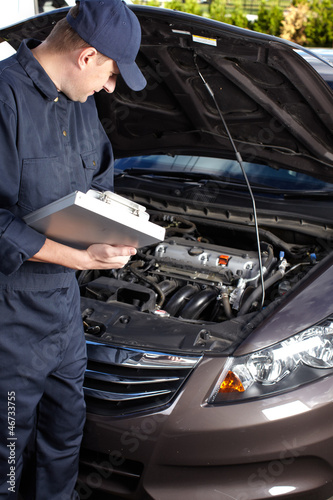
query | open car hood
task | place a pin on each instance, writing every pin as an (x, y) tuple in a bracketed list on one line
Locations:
[(277, 108)]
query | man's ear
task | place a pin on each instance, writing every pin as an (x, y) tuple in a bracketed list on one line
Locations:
[(86, 57)]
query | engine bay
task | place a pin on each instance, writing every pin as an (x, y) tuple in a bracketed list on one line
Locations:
[(198, 288)]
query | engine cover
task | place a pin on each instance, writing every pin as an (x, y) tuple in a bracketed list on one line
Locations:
[(177, 251)]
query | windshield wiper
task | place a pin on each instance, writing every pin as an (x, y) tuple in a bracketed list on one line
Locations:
[(199, 177), (168, 173), (233, 184)]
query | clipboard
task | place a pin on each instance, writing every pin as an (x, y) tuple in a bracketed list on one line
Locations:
[(82, 219)]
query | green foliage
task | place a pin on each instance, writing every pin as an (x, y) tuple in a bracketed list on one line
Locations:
[(237, 17), (218, 10), (193, 7), (270, 17), (307, 22), (319, 26), (190, 6), (176, 5)]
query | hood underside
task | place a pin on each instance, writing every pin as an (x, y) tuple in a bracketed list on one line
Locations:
[(278, 109)]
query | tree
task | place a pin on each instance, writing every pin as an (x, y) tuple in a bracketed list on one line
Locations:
[(319, 26), (237, 17), (270, 17), (217, 10), (293, 25), (193, 7), (176, 5)]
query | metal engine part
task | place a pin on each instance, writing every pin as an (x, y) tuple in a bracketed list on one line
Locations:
[(179, 251), (183, 277)]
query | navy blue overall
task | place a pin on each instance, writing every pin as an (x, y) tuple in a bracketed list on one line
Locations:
[(50, 147), (43, 359)]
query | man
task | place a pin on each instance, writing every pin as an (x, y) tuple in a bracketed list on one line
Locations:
[(52, 144)]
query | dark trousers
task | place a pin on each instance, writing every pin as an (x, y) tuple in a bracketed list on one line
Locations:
[(42, 364)]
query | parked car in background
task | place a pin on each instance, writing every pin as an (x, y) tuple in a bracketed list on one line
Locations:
[(210, 372)]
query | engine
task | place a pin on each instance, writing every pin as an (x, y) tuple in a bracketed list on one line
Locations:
[(191, 277)]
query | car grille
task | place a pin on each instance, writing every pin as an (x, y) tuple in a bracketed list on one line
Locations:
[(123, 380)]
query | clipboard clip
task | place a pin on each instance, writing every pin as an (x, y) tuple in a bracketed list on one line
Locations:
[(119, 202)]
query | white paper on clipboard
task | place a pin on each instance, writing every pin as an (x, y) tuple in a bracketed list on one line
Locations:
[(81, 219)]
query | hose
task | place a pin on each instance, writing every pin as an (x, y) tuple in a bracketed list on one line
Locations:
[(188, 227), (270, 257), (226, 304), (134, 270), (258, 291)]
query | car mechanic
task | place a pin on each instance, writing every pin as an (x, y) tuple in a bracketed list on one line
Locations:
[(52, 144)]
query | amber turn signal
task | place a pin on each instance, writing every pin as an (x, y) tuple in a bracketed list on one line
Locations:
[(231, 383)]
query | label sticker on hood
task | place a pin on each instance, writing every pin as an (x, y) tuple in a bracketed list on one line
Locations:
[(203, 39)]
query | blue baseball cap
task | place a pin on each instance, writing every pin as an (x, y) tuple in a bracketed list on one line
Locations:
[(114, 30)]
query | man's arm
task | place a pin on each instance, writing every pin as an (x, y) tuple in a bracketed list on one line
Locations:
[(97, 256)]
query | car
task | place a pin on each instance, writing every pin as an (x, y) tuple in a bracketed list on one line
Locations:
[(210, 354)]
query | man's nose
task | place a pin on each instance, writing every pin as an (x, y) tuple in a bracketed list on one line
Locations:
[(110, 84)]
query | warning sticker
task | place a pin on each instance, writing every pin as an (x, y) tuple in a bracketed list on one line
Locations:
[(205, 40)]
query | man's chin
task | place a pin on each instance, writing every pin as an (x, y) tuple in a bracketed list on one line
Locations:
[(81, 98)]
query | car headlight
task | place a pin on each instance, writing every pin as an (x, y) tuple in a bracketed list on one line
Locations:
[(298, 360)]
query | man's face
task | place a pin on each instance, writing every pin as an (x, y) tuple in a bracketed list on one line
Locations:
[(96, 75)]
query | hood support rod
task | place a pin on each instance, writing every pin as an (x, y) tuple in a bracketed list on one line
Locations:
[(240, 161)]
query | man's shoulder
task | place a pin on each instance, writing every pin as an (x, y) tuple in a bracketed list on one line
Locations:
[(8, 65), (9, 81), (9, 69)]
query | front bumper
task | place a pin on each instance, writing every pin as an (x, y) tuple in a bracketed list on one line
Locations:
[(191, 450)]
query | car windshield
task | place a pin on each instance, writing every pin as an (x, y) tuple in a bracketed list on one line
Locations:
[(224, 169)]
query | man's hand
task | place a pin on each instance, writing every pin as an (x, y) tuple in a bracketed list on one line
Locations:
[(97, 256), (109, 256)]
